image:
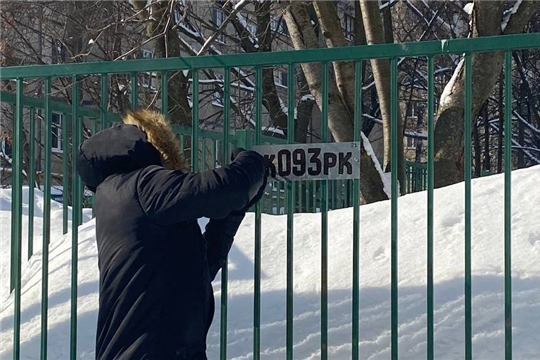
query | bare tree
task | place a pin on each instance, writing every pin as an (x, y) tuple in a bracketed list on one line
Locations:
[(487, 17), (340, 116), (376, 33)]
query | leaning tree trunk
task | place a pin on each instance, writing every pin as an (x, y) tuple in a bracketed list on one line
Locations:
[(375, 34), (167, 44), (334, 37), (339, 117), (487, 17)]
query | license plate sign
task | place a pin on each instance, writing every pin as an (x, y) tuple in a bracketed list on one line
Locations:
[(297, 162)]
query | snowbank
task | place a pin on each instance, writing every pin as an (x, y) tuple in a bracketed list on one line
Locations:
[(487, 266)]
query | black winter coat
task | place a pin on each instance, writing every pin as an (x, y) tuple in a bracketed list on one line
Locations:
[(156, 267)]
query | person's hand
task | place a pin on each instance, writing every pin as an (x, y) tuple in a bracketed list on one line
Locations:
[(269, 170)]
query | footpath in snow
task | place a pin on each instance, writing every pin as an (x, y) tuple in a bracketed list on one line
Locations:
[(487, 286)]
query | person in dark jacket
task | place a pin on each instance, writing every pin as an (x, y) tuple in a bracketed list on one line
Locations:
[(156, 266)]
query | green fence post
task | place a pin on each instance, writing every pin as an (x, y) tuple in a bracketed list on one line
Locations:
[(75, 208), (258, 229), (46, 219), (165, 94), (394, 209), (356, 216), (65, 171), (103, 100), (324, 221), (508, 205), (467, 170), (430, 209), (244, 139), (31, 180), (195, 122), (134, 89), (16, 217), (225, 270), (290, 216)]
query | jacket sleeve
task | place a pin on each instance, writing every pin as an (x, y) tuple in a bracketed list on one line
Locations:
[(219, 236), (170, 197)]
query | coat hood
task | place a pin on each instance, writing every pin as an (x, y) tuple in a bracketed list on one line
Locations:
[(160, 134), (120, 149)]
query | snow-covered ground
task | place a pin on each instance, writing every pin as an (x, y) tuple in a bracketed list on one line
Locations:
[(487, 266)]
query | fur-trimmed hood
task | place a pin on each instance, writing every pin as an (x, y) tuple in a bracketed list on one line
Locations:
[(145, 138), (160, 134)]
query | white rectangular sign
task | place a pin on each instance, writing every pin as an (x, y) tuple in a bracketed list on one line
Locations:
[(326, 161)]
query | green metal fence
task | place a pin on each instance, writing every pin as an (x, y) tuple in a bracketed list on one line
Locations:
[(317, 196)]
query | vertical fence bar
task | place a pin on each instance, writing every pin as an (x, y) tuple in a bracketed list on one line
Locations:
[(225, 270), (394, 206), (290, 215), (356, 216), (103, 100), (258, 218), (300, 197), (324, 221), (134, 89), (278, 197), (214, 153), (468, 165), (16, 217), (75, 220), (12, 277), (46, 219), (31, 180), (165, 94), (508, 205), (430, 179), (182, 143), (201, 144), (195, 121), (306, 196), (63, 136), (95, 126)]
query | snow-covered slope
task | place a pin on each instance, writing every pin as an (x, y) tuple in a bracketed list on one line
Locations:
[(488, 280)]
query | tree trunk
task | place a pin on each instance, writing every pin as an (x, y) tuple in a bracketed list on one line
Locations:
[(334, 37), (339, 118), (486, 20), (376, 34), (167, 44)]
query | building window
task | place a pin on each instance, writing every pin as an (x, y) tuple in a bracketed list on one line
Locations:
[(411, 143), (58, 52), (57, 132), (149, 79), (281, 77), (147, 54), (277, 24), (252, 28), (217, 99), (348, 26), (6, 145), (179, 11), (218, 17), (217, 96)]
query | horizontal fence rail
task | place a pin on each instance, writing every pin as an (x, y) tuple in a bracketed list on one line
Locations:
[(423, 48), (65, 124)]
